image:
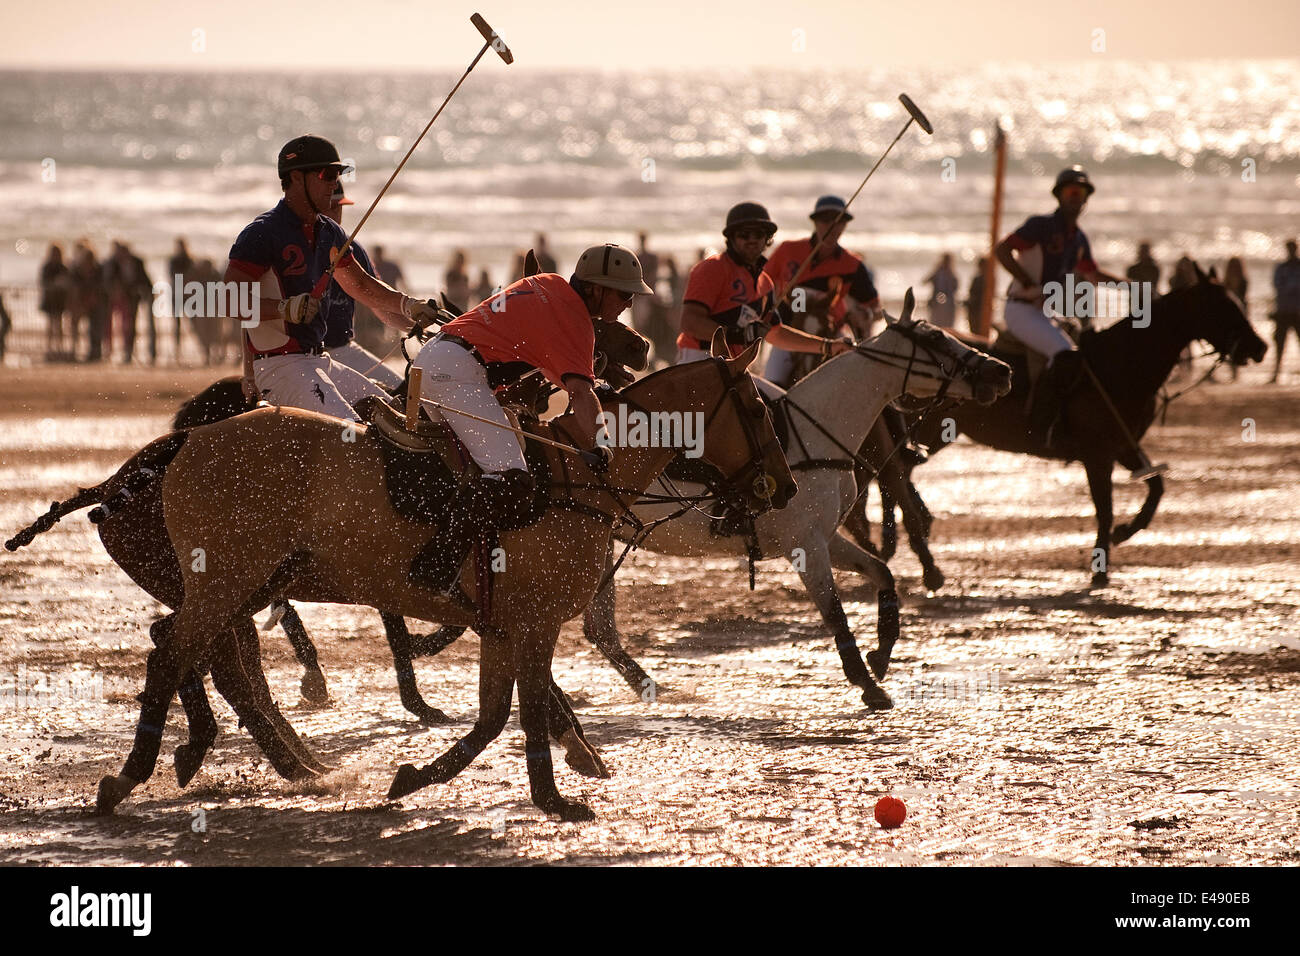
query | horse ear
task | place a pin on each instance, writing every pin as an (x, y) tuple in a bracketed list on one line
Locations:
[(745, 358), (1200, 276), (909, 303), (1214, 274), (718, 347), (531, 265)]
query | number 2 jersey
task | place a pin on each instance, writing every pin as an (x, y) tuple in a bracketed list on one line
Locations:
[(286, 257), (734, 296)]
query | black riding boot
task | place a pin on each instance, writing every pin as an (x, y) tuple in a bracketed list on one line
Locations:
[(1054, 385), (909, 453), (490, 503)]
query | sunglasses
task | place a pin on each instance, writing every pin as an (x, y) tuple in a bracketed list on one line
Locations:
[(745, 234), (624, 297), (328, 174)]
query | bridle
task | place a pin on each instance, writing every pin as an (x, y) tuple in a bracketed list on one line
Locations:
[(733, 498)]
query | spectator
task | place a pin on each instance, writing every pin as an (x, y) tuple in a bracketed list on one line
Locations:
[(56, 285), (1234, 280), (89, 301), (483, 291), (5, 325), (388, 270), (456, 280), (1286, 312), (545, 261), (943, 298), (1146, 269), (128, 286), (1184, 274), (643, 307), (180, 269), (975, 296)]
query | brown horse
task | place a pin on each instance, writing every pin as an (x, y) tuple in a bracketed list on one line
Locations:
[(240, 542), (1131, 363)]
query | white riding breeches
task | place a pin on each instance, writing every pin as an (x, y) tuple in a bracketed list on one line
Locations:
[(455, 378), (696, 355), (1030, 324), (313, 382), (367, 363), (779, 367)]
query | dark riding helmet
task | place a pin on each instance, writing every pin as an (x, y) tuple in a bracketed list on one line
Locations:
[(308, 152), (1074, 176), (748, 214)]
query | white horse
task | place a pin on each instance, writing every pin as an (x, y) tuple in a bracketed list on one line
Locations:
[(829, 413)]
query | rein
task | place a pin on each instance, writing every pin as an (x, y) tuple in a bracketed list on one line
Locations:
[(1166, 399)]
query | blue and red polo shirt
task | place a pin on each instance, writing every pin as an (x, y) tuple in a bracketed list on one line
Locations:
[(339, 307), (1065, 247), (297, 255)]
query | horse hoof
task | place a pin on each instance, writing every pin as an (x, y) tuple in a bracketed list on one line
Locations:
[(430, 715), (876, 699), (112, 791), (878, 661), (313, 689), (1101, 580), (569, 811), (406, 781), (188, 760), (587, 762), (933, 579)]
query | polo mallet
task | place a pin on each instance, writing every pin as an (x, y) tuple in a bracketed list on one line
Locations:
[(914, 115), (1146, 470), (490, 39)]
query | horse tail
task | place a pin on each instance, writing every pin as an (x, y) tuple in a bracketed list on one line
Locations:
[(145, 467), (221, 400)]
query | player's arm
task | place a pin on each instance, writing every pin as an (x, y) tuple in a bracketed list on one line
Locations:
[(392, 307), (240, 274), (794, 340), (696, 321), (1005, 253), (585, 407)]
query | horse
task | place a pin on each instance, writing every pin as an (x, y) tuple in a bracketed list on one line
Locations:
[(618, 348), (129, 520), (1131, 362), (220, 499), (907, 358)]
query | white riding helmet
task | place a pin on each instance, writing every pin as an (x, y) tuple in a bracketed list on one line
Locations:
[(614, 267)]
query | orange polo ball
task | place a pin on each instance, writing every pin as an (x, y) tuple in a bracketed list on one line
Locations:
[(890, 812)]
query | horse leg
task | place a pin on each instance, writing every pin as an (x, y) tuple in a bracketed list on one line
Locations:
[(198, 711), (1155, 489), (210, 597), (847, 557), (248, 654), (313, 688), (532, 659), (579, 753), (820, 583), (600, 627), (426, 645), (495, 685), (1099, 483), (888, 522), (399, 641), (917, 520)]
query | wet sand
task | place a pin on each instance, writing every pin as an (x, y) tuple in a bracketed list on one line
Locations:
[(1151, 723)]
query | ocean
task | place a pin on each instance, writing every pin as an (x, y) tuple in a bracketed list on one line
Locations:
[(1198, 157)]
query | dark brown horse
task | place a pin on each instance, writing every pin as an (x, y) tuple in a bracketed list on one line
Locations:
[(1131, 363)]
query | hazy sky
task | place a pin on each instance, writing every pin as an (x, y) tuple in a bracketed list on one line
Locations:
[(645, 34)]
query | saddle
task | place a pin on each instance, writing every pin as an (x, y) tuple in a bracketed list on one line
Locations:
[(1020, 356), (424, 469)]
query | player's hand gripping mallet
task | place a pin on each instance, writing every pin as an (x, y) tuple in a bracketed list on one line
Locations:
[(914, 116)]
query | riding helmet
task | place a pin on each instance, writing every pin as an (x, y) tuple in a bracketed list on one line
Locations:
[(748, 214), (614, 267), (1075, 175)]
